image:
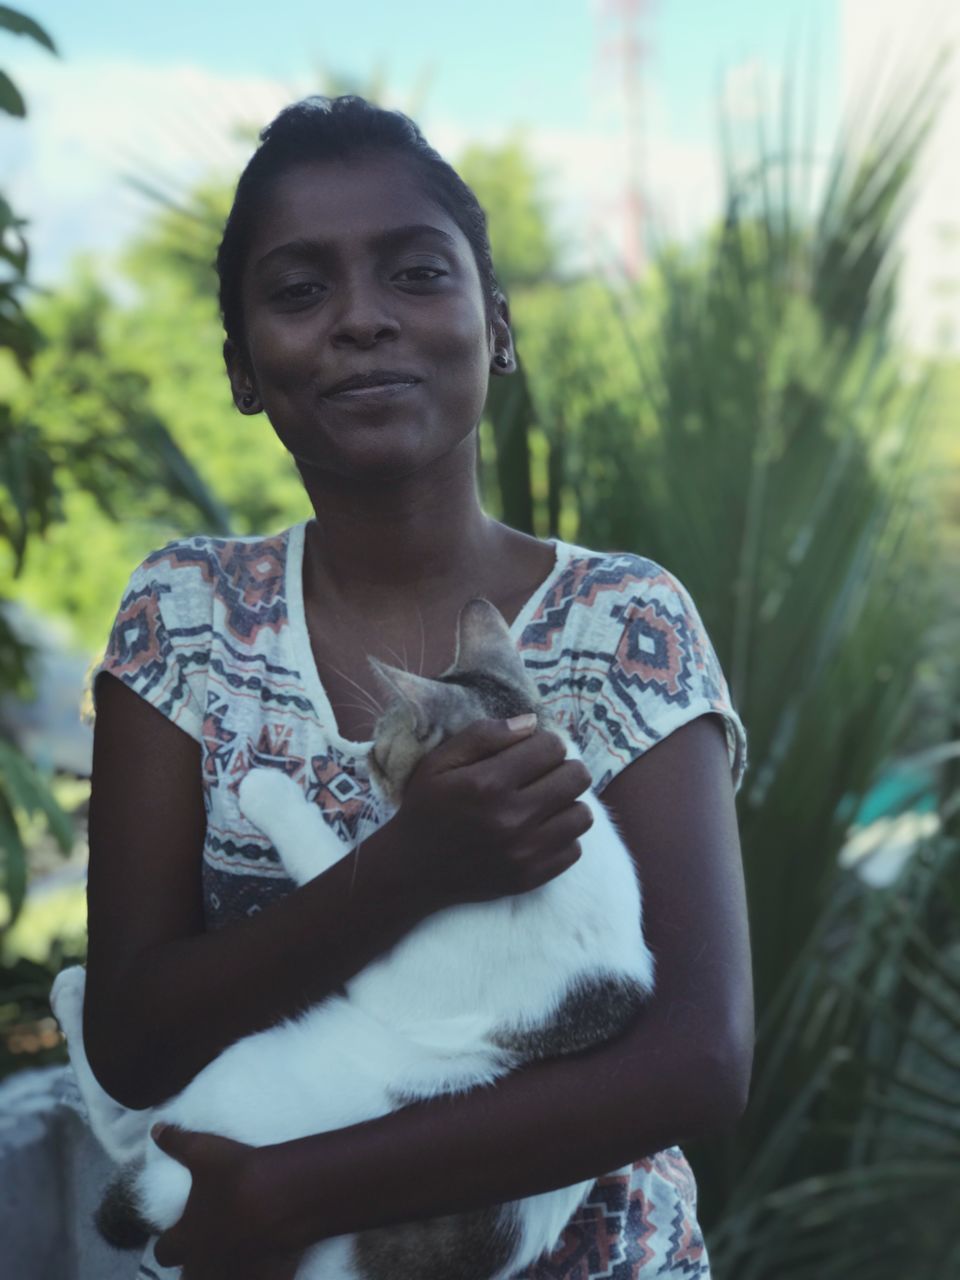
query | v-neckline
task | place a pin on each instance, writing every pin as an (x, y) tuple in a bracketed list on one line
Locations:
[(303, 650)]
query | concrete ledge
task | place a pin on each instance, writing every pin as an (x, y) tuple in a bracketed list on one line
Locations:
[(52, 1175)]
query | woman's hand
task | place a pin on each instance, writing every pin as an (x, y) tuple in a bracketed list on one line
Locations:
[(493, 811), (220, 1235)]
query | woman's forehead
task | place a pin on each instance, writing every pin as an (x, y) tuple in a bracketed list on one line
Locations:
[(349, 203)]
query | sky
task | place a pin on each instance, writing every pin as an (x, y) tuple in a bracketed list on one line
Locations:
[(159, 88), (531, 60)]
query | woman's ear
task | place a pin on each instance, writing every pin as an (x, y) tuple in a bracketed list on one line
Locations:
[(244, 390), (503, 358)]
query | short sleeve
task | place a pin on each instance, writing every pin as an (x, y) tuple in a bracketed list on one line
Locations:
[(649, 667), (159, 642)]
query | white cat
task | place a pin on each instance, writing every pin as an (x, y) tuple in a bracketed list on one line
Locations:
[(466, 996)]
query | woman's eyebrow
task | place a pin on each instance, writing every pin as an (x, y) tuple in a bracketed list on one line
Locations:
[(393, 238)]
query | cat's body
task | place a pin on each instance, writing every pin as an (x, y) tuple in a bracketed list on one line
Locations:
[(468, 995)]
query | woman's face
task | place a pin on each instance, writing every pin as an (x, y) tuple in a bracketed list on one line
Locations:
[(354, 272)]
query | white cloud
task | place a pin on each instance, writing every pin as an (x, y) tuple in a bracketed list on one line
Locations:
[(91, 123)]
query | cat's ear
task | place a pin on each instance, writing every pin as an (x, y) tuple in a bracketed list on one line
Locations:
[(484, 643), (416, 692)]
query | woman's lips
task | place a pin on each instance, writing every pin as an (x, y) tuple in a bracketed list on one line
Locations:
[(381, 391)]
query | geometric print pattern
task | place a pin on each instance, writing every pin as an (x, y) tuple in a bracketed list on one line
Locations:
[(246, 576), (207, 633), (634, 1224), (621, 655)]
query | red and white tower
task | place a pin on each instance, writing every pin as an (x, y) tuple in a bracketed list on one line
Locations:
[(622, 54)]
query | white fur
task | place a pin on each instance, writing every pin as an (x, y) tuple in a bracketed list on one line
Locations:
[(415, 1020), (121, 1132)]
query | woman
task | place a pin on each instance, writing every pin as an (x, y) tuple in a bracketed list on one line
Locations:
[(363, 318)]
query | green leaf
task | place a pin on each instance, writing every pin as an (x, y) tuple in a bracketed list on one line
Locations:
[(26, 789), (21, 25), (27, 475), (14, 858), (7, 216), (11, 99)]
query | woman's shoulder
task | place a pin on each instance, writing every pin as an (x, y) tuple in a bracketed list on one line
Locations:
[(597, 589), (236, 586), (622, 654), (195, 571), (217, 559), (190, 605)]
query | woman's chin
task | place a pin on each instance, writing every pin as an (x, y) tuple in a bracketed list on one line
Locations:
[(374, 453)]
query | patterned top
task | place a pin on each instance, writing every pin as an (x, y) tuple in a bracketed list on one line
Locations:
[(212, 632)]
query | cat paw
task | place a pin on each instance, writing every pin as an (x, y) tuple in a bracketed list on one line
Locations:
[(276, 805), (266, 794), (66, 1001)]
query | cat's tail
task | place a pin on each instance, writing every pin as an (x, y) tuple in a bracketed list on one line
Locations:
[(120, 1219)]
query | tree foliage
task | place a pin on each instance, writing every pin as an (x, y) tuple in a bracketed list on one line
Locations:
[(86, 428), (509, 188), (26, 499), (771, 451)]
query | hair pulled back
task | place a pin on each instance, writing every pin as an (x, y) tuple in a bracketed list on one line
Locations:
[(320, 128)]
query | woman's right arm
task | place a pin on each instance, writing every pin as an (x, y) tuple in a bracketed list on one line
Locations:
[(164, 998)]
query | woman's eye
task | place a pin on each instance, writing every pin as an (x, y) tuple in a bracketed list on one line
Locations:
[(421, 275), (298, 291)]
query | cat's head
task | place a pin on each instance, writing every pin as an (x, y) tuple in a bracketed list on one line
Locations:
[(486, 681)]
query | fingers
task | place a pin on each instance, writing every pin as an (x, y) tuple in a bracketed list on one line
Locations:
[(168, 1248), (481, 740), (173, 1141), (557, 789), (502, 758), (526, 762), (192, 1146), (494, 811), (557, 846), (566, 827)]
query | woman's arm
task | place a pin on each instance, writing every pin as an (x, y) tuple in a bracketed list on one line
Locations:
[(163, 998), (682, 1071)]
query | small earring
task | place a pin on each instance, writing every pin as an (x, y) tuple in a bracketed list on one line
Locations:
[(248, 400), (501, 359)]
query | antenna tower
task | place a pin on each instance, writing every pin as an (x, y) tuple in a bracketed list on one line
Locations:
[(622, 55)]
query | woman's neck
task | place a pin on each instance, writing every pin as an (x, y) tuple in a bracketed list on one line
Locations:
[(379, 543)]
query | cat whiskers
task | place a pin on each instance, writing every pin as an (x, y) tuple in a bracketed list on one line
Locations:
[(370, 702), (400, 664), (423, 641), (359, 706)]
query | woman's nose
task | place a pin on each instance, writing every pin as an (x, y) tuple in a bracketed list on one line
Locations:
[(362, 319)]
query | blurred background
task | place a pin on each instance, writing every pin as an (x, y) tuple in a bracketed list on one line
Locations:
[(730, 235)]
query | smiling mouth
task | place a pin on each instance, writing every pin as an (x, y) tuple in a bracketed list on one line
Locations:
[(379, 390), (371, 381)]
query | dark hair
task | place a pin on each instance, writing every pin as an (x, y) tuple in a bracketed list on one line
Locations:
[(319, 128)]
